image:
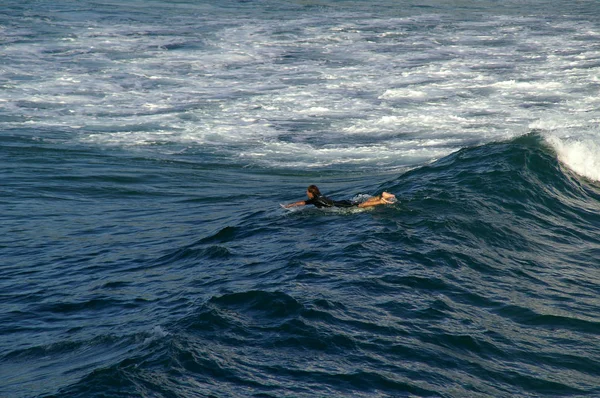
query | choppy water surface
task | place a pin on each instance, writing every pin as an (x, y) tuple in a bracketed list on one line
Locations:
[(145, 148)]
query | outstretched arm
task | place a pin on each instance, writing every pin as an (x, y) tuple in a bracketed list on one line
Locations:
[(300, 203)]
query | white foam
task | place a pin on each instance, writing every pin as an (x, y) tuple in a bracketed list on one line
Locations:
[(580, 154), (157, 333), (529, 86), (311, 91)]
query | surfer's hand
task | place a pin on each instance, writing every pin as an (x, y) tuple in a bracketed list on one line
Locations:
[(301, 203)]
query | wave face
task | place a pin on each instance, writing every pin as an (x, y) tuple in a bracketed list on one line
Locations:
[(145, 148), (481, 281)]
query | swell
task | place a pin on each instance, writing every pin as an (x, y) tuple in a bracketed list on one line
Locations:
[(72, 358), (233, 344), (480, 282), (498, 193)]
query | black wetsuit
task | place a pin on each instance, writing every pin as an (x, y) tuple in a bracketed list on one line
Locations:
[(324, 201)]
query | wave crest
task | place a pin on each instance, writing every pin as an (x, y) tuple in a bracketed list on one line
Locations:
[(580, 154)]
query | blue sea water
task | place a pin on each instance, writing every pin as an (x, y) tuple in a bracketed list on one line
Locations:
[(145, 147)]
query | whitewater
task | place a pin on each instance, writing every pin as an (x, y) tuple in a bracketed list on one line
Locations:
[(362, 88), (145, 148)]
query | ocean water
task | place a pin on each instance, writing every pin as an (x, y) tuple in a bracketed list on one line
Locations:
[(145, 147)]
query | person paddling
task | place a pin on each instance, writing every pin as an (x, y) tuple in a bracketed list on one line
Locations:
[(317, 199)]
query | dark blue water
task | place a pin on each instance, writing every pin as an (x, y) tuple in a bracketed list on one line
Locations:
[(145, 149)]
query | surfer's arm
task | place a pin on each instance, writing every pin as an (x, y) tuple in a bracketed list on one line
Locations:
[(300, 203)]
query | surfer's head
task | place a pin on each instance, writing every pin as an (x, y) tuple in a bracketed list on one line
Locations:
[(312, 191)]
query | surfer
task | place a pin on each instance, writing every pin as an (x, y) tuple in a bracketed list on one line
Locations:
[(317, 199)]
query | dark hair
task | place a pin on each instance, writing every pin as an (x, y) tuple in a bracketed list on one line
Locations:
[(314, 190)]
